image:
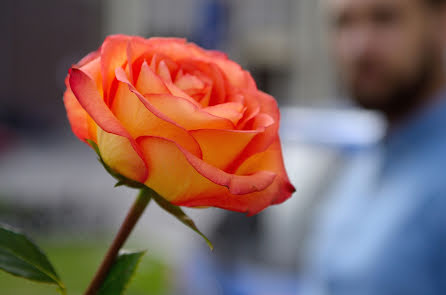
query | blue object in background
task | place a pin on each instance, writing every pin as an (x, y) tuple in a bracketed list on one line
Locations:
[(204, 275), (212, 29), (384, 229)]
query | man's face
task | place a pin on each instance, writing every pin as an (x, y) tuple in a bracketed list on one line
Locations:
[(386, 50)]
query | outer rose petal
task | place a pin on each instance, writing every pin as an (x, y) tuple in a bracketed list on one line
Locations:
[(234, 73), (272, 160), (268, 105), (93, 70), (167, 158), (119, 154), (81, 123), (88, 58), (76, 115), (279, 191), (89, 98), (169, 163)]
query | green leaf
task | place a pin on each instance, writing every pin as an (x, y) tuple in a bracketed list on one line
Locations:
[(121, 273), (179, 214), (21, 257)]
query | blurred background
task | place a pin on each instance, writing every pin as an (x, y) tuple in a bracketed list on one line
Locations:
[(52, 187)]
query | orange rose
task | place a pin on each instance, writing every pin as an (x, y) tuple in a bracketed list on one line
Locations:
[(187, 122)]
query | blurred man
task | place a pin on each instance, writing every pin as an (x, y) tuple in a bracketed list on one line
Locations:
[(384, 230)]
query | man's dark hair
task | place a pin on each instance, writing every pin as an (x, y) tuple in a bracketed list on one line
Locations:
[(436, 2)]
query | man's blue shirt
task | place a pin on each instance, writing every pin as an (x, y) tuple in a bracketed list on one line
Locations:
[(383, 231)]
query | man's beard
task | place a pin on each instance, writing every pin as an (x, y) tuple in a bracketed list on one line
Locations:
[(404, 94)]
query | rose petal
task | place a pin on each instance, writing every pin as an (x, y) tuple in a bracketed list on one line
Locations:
[(204, 101), (179, 49), (279, 191), (136, 47), (89, 98), (176, 110), (149, 82), (139, 121), (166, 157), (89, 57), (252, 110), (236, 76), (272, 160), (119, 154), (188, 81), (167, 162), (261, 121), (113, 55), (76, 115), (267, 119), (200, 96), (258, 144), (163, 71), (213, 73), (187, 114), (175, 91), (232, 111), (157, 57), (268, 104), (81, 123), (93, 70), (221, 147)]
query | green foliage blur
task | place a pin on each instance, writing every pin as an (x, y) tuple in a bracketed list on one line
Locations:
[(77, 262)]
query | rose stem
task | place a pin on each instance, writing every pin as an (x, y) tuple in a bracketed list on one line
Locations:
[(127, 226)]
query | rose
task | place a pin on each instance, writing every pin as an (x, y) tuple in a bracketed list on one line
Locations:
[(187, 122)]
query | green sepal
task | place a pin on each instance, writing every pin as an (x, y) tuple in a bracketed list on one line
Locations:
[(121, 273), (179, 214), (20, 257), (122, 180), (163, 203)]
